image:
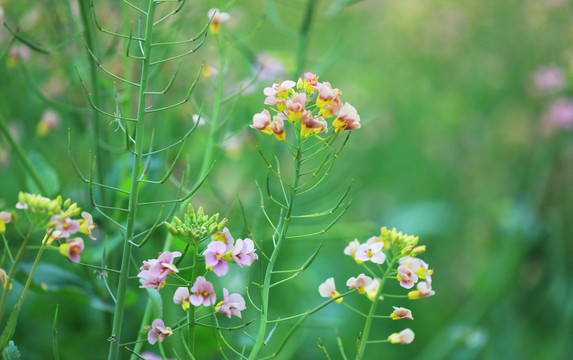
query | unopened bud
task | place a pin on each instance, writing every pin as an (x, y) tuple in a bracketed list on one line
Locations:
[(190, 210), (222, 224), (172, 229), (407, 250), (419, 250)]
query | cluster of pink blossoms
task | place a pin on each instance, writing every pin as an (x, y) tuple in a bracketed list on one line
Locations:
[(402, 250), (297, 103), (155, 271), (62, 223), (223, 249)]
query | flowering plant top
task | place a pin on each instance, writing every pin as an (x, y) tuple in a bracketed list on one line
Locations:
[(306, 104)]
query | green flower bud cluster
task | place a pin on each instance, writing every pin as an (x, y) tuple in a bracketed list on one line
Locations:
[(195, 226), (398, 239), (39, 204)]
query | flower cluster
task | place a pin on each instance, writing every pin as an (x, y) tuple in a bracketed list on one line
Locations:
[(223, 250), (219, 252), (155, 271), (63, 222), (306, 104), (396, 256)]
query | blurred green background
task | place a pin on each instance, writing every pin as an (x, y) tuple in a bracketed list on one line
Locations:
[(453, 148)]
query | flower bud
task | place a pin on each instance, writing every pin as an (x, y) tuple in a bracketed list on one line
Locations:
[(407, 250), (419, 250)]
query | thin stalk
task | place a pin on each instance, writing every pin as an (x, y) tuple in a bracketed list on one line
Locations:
[(88, 32), (191, 310), (303, 37), (17, 259), (36, 261), (23, 157), (372, 312), (209, 152), (274, 256), (134, 189)]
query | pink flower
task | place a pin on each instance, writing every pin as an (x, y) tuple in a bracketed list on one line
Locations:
[(72, 249), (372, 289), (224, 236), (406, 276), (295, 107), (311, 125), (311, 82), (372, 252), (66, 226), (155, 271), (423, 291), (405, 336), (560, 114), (360, 283), (217, 18), (151, 356), (348, 119), (401, 313), (181, 297), (231, 305), (261, 121), (350, 250), (215, 257), (5, 218), (244, 252), (158, 331), (279, 90), (277, 126), (87, 225), (49, 121), (203, 293), (549, 79), (278, 93), (326, 95), (328, 289)]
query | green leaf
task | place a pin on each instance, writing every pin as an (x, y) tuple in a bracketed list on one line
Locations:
[(157, 301), (11, 352), (10, 327), (48, 174)]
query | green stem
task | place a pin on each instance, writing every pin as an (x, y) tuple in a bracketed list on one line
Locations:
[(23, 157), (303, 37), (372, 312), (274, 256), (13, 268), (88, 32), (29, 280), (134, 190), (191, 310), (209, 153)]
